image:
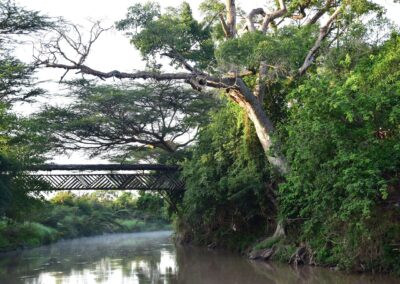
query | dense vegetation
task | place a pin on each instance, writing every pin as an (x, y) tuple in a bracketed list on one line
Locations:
[(343, 141), (18, 147), (341, 198), (227, 202)]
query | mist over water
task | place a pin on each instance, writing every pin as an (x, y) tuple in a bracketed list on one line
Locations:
[(152, 258)]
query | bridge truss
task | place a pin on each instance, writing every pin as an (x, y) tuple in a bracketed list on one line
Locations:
[(104, 177)]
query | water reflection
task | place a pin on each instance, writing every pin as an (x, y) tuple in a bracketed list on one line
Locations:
[(122, 258), (152, 258)]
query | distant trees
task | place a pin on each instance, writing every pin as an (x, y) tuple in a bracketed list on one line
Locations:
[(67, 215)]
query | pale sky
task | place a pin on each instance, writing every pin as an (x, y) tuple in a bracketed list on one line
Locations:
[(112, 51)]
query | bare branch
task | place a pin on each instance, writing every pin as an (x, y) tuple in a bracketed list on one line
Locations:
[(250, 18), (68, 46), (320, 13), (323, 32), (259, 89), (272, 16), (224, 25)]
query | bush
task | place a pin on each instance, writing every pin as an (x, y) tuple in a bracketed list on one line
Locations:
[(27, 234)]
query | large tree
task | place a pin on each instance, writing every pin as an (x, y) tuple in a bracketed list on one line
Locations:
[(238, 57)]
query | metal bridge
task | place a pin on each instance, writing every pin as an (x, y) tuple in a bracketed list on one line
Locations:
[(152, 177)]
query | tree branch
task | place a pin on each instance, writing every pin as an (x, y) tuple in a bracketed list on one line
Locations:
[(174, 55), (272, 16), (323, 32), (320, 13), (224, 25), (250, 18), (259, 89)]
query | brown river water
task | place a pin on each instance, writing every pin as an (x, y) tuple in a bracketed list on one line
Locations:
[(153, 258)]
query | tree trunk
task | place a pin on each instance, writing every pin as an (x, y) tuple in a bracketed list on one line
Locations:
[(263, 126), (231, 17), (264, 130)]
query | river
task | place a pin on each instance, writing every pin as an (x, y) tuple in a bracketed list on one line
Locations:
[(153, 258)]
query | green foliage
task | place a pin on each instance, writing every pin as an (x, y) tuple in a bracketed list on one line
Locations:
[(16, 76), (27, 234), (132, 225), (284, 253), (15, 20), (283, 50), (17, 148), (151, 204), (240, 51), (173, 32), (211, 9), (267, 243), (98, 213), (139, 16), (343, 141), (225, 182)]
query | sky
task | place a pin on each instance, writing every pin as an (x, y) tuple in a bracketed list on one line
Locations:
[(112, 51)]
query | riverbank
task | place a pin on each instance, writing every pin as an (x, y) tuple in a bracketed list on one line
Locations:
[(68, 216), (16, 236), (278, 250)]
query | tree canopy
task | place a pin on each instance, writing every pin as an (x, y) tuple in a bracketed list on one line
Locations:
[(126, 120)]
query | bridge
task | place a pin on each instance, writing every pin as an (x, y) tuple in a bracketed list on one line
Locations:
[(153, 177)]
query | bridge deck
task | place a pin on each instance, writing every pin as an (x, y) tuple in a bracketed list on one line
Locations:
[(112, 177)]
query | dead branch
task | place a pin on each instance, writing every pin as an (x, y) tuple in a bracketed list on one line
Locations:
[(68, 46)]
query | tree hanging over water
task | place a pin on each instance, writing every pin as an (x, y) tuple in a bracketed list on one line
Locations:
[(239, 57)]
